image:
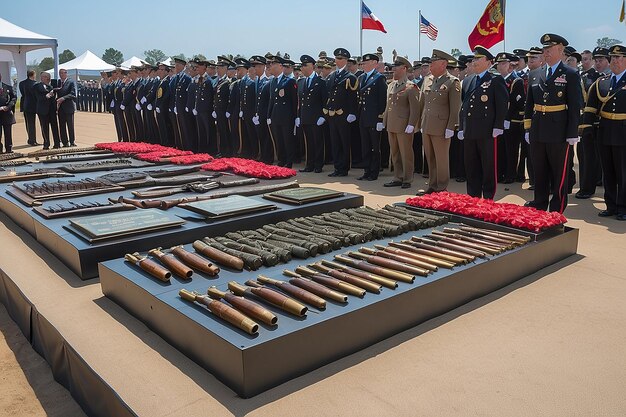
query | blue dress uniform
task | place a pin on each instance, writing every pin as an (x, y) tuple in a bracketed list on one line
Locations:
[(150, 113), (118, 102), (483, 110), (312, 96), (607, 99), (7, 118), (173, 110), (220, 107), (140, 125), (372, 102), (282, 109), (204, 107), (524, 157), (267, 148), (162, 110), (128, 107), (237, 130), (248, 112), (191, 121), (552, 115), (341, 102), (180, 102)]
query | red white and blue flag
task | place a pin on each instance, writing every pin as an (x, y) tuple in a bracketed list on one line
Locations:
[(428, 28), (369, 20)]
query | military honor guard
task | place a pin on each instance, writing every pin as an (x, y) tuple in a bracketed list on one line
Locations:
[(179, 99), (191, 130), (8, 98), (481, 122), (203, 107), (607, 100), (221, 87), (372, 103), (237, 130), (401, 118), (440, 103), (551, 118), (312, 97), (247, 107), (281, 112), (262, 88), (162, 106)]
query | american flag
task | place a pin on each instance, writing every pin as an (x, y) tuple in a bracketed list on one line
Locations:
[(428, 28)]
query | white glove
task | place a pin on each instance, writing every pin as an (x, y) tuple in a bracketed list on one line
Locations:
[(195, 112), (573, 141), (255, 120), (321, 121), (138, 107), (149, 106), (507, 124), (351, 118), (227, 115), (214, 115), (527, 137), (497, 132), (380, 126), (112, 104), (269, 122), (240, 114), (409, 129), (175, 110), (187, 109), (122, 107), (460, 135), (158, 110), (297, 122), (449, 133), (143, 100)]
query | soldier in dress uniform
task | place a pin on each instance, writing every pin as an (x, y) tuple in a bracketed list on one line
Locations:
[(457, 164), (152, 85), (281, 112), (128, 103), (607, 99), (162, 106), (118, 99), (440, 102), (372, 102), (220, 105), (341, 108), (551, 118), (312, 97), (8, 98), (188, 115), (513, 124), (183, 79), (237, 131), (250, 87), (481, 122), (203, 107)]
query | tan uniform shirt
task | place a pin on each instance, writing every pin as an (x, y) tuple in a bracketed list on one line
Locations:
[(402, 108), (440, 104)]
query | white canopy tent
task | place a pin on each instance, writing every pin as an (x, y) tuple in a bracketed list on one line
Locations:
[(86, 64), (134, 61), (18, 41)]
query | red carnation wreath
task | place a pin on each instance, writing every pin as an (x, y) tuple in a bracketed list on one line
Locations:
[(249, 168), (509, 214), (191, 158)]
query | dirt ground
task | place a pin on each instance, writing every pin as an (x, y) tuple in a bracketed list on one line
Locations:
[(552, 344)]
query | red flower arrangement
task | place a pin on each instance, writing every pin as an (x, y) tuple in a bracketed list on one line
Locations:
[(133, 147), (249, 168), (157, 156), (527, 218), (191, 158)]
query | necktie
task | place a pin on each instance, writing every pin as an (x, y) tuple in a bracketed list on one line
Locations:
[(549, 72), (200, 80), (308, 83), (256, 86), (613, 82)]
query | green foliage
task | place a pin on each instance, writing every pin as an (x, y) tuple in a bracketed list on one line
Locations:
[(66, 56), (607, 42), (154, 55), (456, 52), (46, 64), (112, 56)]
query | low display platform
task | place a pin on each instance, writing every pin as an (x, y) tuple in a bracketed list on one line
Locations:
[(252, 364)]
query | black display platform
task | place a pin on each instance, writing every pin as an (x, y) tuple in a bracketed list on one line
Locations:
[(252, 364), (82, 257)]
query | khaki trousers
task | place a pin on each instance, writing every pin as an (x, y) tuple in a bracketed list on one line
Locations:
[(401, 146), (437, 150)]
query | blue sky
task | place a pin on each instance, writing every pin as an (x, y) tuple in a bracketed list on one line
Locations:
[(256, 27)]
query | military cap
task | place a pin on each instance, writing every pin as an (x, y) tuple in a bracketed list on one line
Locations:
[(286, 62), (534, 51), (223, 61), (599, 52), (481, 51), (202, 62), (180, 61), (400, 61), (268, 55), (322, 54), (330, 60), (371, 57), (453, 64), (341, 53), (109, 73), (617, 50), (522, 53), (505, 57), (211, 63), (570, 51), (321, 63), (464, 59), (257, 60), (297, 67), (426, 60), (242, 63), (417, 64), (550, 39), (307, 59), (153, 67), (352, 60), (440, 55), (270, 59)]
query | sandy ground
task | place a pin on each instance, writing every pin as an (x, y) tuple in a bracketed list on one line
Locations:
[(552, 344)]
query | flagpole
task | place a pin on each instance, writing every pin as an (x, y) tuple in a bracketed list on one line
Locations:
[(419, 36), (504, 23), (361, 28)]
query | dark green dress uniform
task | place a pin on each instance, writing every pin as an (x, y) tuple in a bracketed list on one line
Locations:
[(552, 115), (607, 99)]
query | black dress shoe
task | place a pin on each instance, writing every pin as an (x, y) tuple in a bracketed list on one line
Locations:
[(371, 178), (45, 148), (392, 184), (56, 147), (341, 174), (607, 213), (306, 170), (73, 144), (424, 192), (333, 174), (317, 170), (530, 204), (621, 217), (531, 188), (460, 179), (363, 177), (583, 196), (406, 185)]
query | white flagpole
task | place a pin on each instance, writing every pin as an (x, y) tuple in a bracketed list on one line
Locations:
[(419, 35), (361, 28)]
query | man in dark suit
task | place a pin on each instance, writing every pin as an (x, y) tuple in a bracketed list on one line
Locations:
[(281, 112), (47, 110), (483, 111), (551, 120), (372, 102), (66, 104), (7, 117), (28, 105)]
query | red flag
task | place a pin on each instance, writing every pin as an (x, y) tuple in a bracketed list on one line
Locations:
[(490, 27), (369, 20)]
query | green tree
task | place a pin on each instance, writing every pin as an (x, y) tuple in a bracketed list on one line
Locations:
[(112, 56), (607, 42), (66, 56), (154, 55), (455, 52), (33, 65), (46, 64), (200, 57)]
